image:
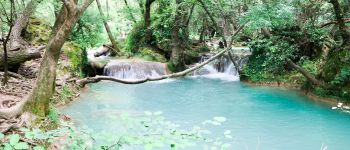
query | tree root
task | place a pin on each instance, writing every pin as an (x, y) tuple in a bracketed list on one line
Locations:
[(24, 120)]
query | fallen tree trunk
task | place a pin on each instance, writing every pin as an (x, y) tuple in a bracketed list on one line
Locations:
[(16, 57), (305, 73), (96, 79)]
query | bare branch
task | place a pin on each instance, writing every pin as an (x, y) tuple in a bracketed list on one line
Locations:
[(347, 20)]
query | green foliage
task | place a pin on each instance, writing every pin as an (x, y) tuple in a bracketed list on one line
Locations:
[(342, 77), (53, 115), (162, 23), (269, 15), (171, 67), (312, 66), (65, 94), (135, 38), (269, 56), (84, 63), (13, 143), (88, 33)]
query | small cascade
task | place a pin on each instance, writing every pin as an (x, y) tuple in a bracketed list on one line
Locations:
[(222, 68), (134, 69)]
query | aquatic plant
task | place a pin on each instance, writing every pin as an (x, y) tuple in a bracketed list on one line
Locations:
[(149, 131)]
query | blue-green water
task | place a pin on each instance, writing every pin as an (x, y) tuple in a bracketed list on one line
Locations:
[(259, 117)]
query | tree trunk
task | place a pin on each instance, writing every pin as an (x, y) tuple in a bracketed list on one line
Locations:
[(15, 58), (177, 56), (147, 21), (233, 60), (109, 32), (339, 17), (129, 10), (305, 73), (38, 101), (21, 22)]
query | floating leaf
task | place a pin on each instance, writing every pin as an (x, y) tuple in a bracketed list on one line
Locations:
[(38, 148), (21, 145), (14, 139)]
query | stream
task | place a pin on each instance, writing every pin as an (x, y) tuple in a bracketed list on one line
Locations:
[(259, 117)]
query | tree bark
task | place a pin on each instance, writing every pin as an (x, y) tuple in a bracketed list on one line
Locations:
[(305, 73), (233, 60), (177, 58), (147, 21), (96, 79), (339, 17), (109, 32), (38, 101), (15, 58), (21, 22)]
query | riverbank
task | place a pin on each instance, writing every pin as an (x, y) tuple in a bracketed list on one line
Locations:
[(316, 98)]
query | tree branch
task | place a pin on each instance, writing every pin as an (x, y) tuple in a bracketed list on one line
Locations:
[(305, 73), (96, 79), (84, 6), (69, 5), (347, 20)]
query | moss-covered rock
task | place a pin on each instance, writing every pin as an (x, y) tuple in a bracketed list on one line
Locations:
[(73, 60), (38, 31), (150, 55)]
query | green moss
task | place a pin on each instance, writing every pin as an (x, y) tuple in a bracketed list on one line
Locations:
[(171, 67), (150, 55), (77, 59), (38, 31), (135, 38)]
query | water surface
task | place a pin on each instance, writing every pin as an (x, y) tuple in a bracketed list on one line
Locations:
[(259, 117)]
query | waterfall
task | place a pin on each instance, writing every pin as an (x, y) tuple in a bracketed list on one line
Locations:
[(222, 68), (134, 69)]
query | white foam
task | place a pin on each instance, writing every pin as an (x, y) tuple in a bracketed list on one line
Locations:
[(219, 76)]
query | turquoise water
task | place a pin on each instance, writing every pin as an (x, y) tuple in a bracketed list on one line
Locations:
[(259, 117)]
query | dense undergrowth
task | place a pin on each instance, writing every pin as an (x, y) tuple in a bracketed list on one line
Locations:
[(267, 63)]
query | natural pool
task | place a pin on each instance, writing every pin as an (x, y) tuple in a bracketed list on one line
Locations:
[(259, 117)]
